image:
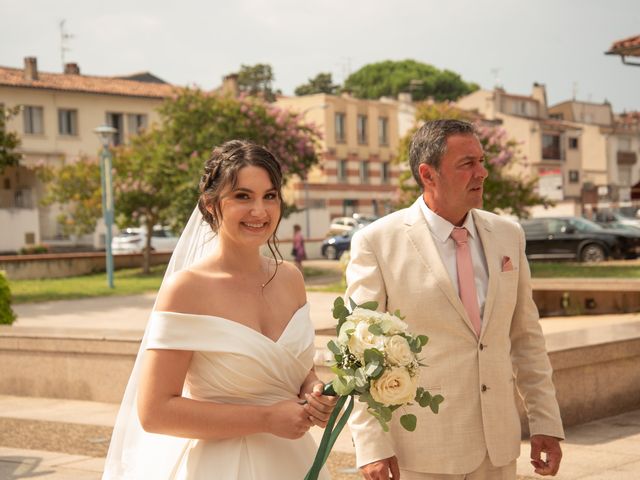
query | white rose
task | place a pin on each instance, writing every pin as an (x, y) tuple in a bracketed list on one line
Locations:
[(394, 387), (398, 351), (365, 315), (392, 325), (362, 339)]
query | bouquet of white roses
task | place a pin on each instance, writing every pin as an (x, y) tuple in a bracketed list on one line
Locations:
[(376, 360)]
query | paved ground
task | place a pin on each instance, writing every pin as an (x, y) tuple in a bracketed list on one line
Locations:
[(65, 439)]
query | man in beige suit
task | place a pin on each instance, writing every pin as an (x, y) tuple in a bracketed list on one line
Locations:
[(472, 297)]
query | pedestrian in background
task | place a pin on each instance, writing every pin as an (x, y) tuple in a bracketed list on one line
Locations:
[(298, 251)]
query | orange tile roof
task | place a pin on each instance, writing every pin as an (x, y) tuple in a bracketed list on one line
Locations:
[(628, 46), (14, 77)]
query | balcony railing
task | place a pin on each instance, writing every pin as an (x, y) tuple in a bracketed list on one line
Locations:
[(627, 158), (22, 198)]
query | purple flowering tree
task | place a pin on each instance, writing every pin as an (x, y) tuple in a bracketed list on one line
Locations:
[(156, 175), (505, 189)]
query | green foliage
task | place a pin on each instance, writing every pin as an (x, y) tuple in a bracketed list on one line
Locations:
[(76, 184), (7, 315), (322, 83), (9, 141), (156, 176), (389, 78), (503, 190), (34, 250), (409, 422), (257, 80)]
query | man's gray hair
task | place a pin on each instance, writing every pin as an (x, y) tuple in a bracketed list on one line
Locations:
[(429, 143)]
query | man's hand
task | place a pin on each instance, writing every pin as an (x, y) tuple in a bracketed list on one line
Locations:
[(381, 469), (551, 447)]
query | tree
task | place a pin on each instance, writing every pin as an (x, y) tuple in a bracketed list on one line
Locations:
[(322, 83), (156, 176), (257, 80), (504, 190), (389, 78), (9, 141)]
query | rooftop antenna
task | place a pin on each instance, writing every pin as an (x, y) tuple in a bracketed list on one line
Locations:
[(495, 71), (64, 38), (575, 90)]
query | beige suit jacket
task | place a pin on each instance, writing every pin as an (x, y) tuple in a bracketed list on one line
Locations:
[(395, 262)]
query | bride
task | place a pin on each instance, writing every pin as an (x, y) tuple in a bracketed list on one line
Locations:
[(224, 386)]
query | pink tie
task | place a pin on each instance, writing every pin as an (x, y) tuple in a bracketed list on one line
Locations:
[(466, 278)]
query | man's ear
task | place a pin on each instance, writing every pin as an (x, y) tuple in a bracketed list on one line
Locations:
[(427, 174)]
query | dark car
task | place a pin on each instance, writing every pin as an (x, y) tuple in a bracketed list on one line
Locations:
[(575, 238), (333, 247)]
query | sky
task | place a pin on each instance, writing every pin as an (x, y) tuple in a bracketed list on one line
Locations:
[(513, 43)]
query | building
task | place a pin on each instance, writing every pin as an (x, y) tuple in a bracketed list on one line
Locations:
[(566, 155), (356, 173), (58, 112)]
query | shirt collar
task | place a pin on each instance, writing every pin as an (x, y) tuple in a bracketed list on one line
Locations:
[(442, 228)]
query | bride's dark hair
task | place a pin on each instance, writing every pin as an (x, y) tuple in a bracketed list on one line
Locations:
[(221, 170)]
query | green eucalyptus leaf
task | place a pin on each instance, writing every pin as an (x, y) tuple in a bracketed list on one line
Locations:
[(425, 399), (369, 305), (409, 422), (340, 312), (372, 355), (435, 403), (376, 329), (386, 413), (353, 304), (341, 386), (423, 339), (338, 302), (397, 314), (335, 349)]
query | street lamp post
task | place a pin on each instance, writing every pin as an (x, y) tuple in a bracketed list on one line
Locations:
[(105, 133)]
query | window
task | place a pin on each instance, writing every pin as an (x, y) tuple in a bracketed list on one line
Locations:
[(573, 143), (136, 123), (349, 207), (67, 122), (624, 175), (383, 123), (342, 170), (551, 147), (364, 171), (115, 120), (340, 131), (385, 172), (574, 176), (362, 129), (33, 120)]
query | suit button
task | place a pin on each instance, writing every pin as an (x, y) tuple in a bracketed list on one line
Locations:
[(481, 347), (484, 387)]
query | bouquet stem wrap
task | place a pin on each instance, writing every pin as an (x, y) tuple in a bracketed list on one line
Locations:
[(331, 431)]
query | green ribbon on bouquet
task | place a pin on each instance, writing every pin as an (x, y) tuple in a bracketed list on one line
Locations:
[(331, 431)]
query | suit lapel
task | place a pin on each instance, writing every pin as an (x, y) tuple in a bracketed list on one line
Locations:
[(489, 246), (422, 240)]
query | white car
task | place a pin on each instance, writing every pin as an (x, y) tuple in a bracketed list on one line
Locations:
[(346, 224), (133, 240)]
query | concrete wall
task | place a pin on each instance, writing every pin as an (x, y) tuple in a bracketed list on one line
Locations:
[(595, 376), (22, 267)]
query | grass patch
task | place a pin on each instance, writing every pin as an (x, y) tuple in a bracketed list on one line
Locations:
[(129, 281), (310, 272), (581, 270), (334, 287)]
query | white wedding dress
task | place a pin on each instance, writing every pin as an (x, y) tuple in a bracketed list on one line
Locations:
[(233, 363)]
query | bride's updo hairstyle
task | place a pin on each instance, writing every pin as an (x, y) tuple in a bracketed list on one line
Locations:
[(221, 171)]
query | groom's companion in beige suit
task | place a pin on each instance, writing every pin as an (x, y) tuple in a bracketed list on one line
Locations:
[(460, 276)]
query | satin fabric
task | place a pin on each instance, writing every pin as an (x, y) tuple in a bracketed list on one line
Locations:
[(232, 364)]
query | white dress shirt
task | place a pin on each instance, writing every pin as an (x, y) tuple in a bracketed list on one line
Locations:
[(441, 232)]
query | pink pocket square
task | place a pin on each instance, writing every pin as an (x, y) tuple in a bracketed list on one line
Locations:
[(507, 266)]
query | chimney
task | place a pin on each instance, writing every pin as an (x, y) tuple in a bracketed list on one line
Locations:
[(71, 69), (230, 85), (539, 93), (30, 69)]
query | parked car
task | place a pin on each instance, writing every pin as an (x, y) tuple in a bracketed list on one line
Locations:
[(333, 247), (133, 240), (346, 224), (607, 217), (575, 238)]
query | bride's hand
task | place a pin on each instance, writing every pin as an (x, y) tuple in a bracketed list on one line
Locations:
[(319, 407), (288, 419)]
